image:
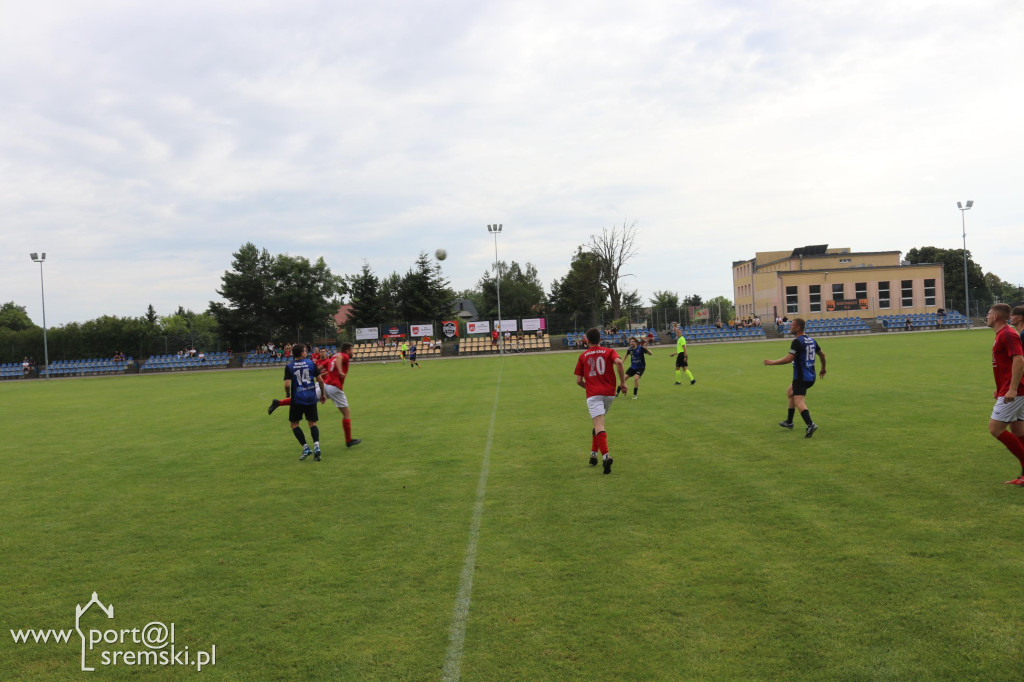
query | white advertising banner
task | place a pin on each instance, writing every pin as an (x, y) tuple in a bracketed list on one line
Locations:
[(366, 333), (478, 327), (507, 326), (533, 324), (422, 330)]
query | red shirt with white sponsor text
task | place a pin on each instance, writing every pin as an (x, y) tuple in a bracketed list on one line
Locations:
[(597, 367)]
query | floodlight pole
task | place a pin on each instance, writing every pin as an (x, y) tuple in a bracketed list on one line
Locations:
[(496, 230), (963, 226), (39, 258)]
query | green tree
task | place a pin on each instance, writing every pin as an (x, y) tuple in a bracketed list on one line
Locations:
[(522, 294), (581, 289), (953, 274), (306, 296), (365, 298), (721, 309), (14, 317), (248, 288), (390, 297), (665, 300), (424, 293)]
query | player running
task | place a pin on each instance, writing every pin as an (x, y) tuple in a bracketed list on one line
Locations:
[(412, 356), (334, 384), (682, 361), (637, 362), (1008, 368), (802, 354), (301, 377), (595, 372)]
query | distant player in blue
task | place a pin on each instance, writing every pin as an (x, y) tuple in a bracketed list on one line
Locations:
[(412, 356), (802, 354), (301, 379), (637, 362)]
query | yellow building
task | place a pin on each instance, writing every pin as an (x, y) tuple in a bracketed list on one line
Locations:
[(814, 282)]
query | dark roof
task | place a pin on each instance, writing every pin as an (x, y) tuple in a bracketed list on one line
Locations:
[(816, 250)]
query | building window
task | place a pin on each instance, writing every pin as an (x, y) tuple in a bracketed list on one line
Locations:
[(929, 292), (862, 290), (907, 286), (845, 260), (883, 295), (838, 292), (815, 298), (792, 304)]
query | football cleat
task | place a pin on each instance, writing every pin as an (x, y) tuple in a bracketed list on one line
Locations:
[(354, 441), (786, 425), (810, 430), (693, 381), (316, 452), (306, 452), (273, 406), (678, 384), (593, 459), (1017, 481), (607, 464)]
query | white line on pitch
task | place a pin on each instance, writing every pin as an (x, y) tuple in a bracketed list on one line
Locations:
[(453, 658)]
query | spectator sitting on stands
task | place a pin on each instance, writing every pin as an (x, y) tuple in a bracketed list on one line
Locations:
[(201, 356), (908, 326), (26, 365), (941, 314), (718, 324), (650, 337), (757, 321)]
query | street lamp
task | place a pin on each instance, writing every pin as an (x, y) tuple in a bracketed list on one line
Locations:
[(39, 258), (496, 230), (963, 225)]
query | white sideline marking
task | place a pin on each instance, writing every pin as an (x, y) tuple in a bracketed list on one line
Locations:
[(453, 657)]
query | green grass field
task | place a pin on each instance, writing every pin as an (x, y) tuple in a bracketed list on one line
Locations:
[(721, 547)]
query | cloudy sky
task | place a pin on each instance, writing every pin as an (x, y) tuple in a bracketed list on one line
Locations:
[(142, 143)]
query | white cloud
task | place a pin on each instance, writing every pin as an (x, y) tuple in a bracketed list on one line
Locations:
[(140, 145)]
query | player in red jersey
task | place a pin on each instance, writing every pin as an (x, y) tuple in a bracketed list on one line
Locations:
[(1008, 369), (334, 382), (595, 372)]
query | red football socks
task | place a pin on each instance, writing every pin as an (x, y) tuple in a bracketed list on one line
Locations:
[(1012, 444)]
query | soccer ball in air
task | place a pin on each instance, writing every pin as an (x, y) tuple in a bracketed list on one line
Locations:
[(440, 254)]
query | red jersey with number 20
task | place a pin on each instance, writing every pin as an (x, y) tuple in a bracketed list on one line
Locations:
[(1006, 346), (597, 367)]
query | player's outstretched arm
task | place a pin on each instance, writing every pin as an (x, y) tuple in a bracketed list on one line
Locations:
[(821, 354), (781, 361)]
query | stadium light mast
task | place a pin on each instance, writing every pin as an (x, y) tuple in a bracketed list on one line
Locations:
[(39, 258), (963, 226), (496, 230)]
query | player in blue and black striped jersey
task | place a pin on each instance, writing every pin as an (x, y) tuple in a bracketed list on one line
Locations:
[(638, 363), (301, 379), (802, 354)]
